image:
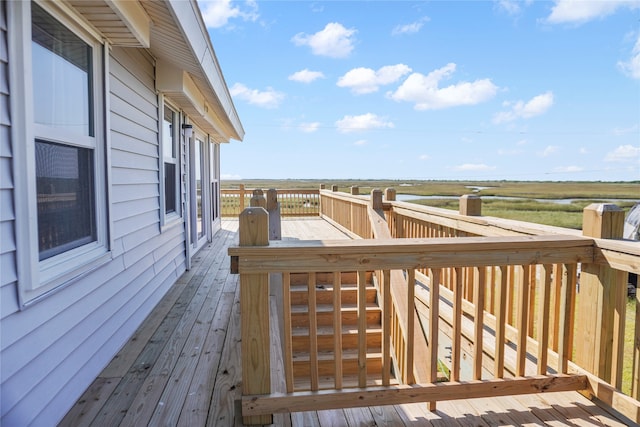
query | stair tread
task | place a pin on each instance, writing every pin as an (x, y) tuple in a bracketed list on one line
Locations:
[(328, 330), (350, 354), (300, 308), (348, 381)]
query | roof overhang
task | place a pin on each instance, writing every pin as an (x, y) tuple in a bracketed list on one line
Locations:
[(187, 68)]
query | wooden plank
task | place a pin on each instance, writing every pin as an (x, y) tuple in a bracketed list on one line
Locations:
[(478, 322), (313, 331), (286, 321), (457, 325), (393, 254), (375, 396), (92, 401), (521, 324), (337, 329), (362, 330), (543, 318), (569, 274), (410, 327), (386, 327), (501, 321), (635, 381)]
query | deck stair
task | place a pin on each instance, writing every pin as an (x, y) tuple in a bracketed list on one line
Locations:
[(300, 343)]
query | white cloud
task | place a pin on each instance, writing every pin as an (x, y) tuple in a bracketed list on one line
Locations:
[(365, 80), (511, 7), (269, 98), (632, 67), (624, 154), (536, 106), (217, 13), (411, 28), (360, 142), (568, 169), (230, 176), (424, 157), (581, 11), (473, 167), (361, 123), (625, 131), (334, 41), (551, 149), (425, 92), (309, 127), (306, 76)]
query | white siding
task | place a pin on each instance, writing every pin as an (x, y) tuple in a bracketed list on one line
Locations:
[(8, 295), (54, 349)]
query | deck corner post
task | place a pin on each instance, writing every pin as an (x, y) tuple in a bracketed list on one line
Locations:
[(254, 314), (470, 205), (376, 199), (258, 200), (334, 188), (390, 194), (355, 190), (241, 192), (273, 208), (600, 308)]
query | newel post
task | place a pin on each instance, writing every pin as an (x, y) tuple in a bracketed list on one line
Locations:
[(254, 314), (241, 191), (376, 199), (355, 190), (600, 308), (390, 194), (273, 208), (258, 200), (470, 205)]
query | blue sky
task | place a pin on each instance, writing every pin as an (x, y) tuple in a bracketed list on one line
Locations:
[(475, 90)]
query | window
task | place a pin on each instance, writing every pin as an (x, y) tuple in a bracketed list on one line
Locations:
[(64, 176), (170, 138)]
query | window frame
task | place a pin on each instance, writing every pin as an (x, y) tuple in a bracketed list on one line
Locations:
[(36, 278), (168, 219)]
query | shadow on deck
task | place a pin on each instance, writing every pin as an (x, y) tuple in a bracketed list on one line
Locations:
[(182, 366)]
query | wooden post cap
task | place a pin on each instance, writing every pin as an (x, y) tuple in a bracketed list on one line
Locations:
[(334, 188), (603, 221), (470, 205), (254, 227), (376, 199), (390, 194), (258, 200), (272, 199), (355, 190)]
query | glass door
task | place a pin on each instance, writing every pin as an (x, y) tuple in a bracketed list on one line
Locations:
[(200, 196)]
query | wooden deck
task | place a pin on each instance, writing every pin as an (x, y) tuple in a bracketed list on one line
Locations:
[(182, 366)]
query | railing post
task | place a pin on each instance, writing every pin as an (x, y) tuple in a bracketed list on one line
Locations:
[(600, 308), (334, 188), (273, 208), (254, 314), (355, 190), (390, 194), (258, 200), (376, 199), (241, 191), (470, 205)]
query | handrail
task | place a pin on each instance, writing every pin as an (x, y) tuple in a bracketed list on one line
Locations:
[(293, 202), (601, 312), (409, 254)]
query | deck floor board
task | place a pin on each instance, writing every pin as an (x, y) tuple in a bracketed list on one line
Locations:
[(182, 367)]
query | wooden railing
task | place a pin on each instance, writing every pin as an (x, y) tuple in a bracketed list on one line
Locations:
[(534, 308), (292, 202), (255, 258), (528, 297)]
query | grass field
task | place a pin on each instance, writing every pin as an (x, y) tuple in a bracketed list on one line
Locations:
[(531, 207)]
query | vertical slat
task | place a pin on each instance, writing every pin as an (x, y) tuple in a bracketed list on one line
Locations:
[(362, 329), (556, 289), (635, 386), (411, 283), (457, 325), (521, 321), (434, 316), (532, 298), (478, 321), (511, 294), (337, 328), (313, 331), (286, 317), (568, 285), (501, 322), (543, 318), (386, 327)]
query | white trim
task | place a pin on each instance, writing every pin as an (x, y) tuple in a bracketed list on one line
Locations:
[(168, 220), (37, 278)]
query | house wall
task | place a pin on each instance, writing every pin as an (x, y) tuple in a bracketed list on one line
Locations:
[(52, 350)]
